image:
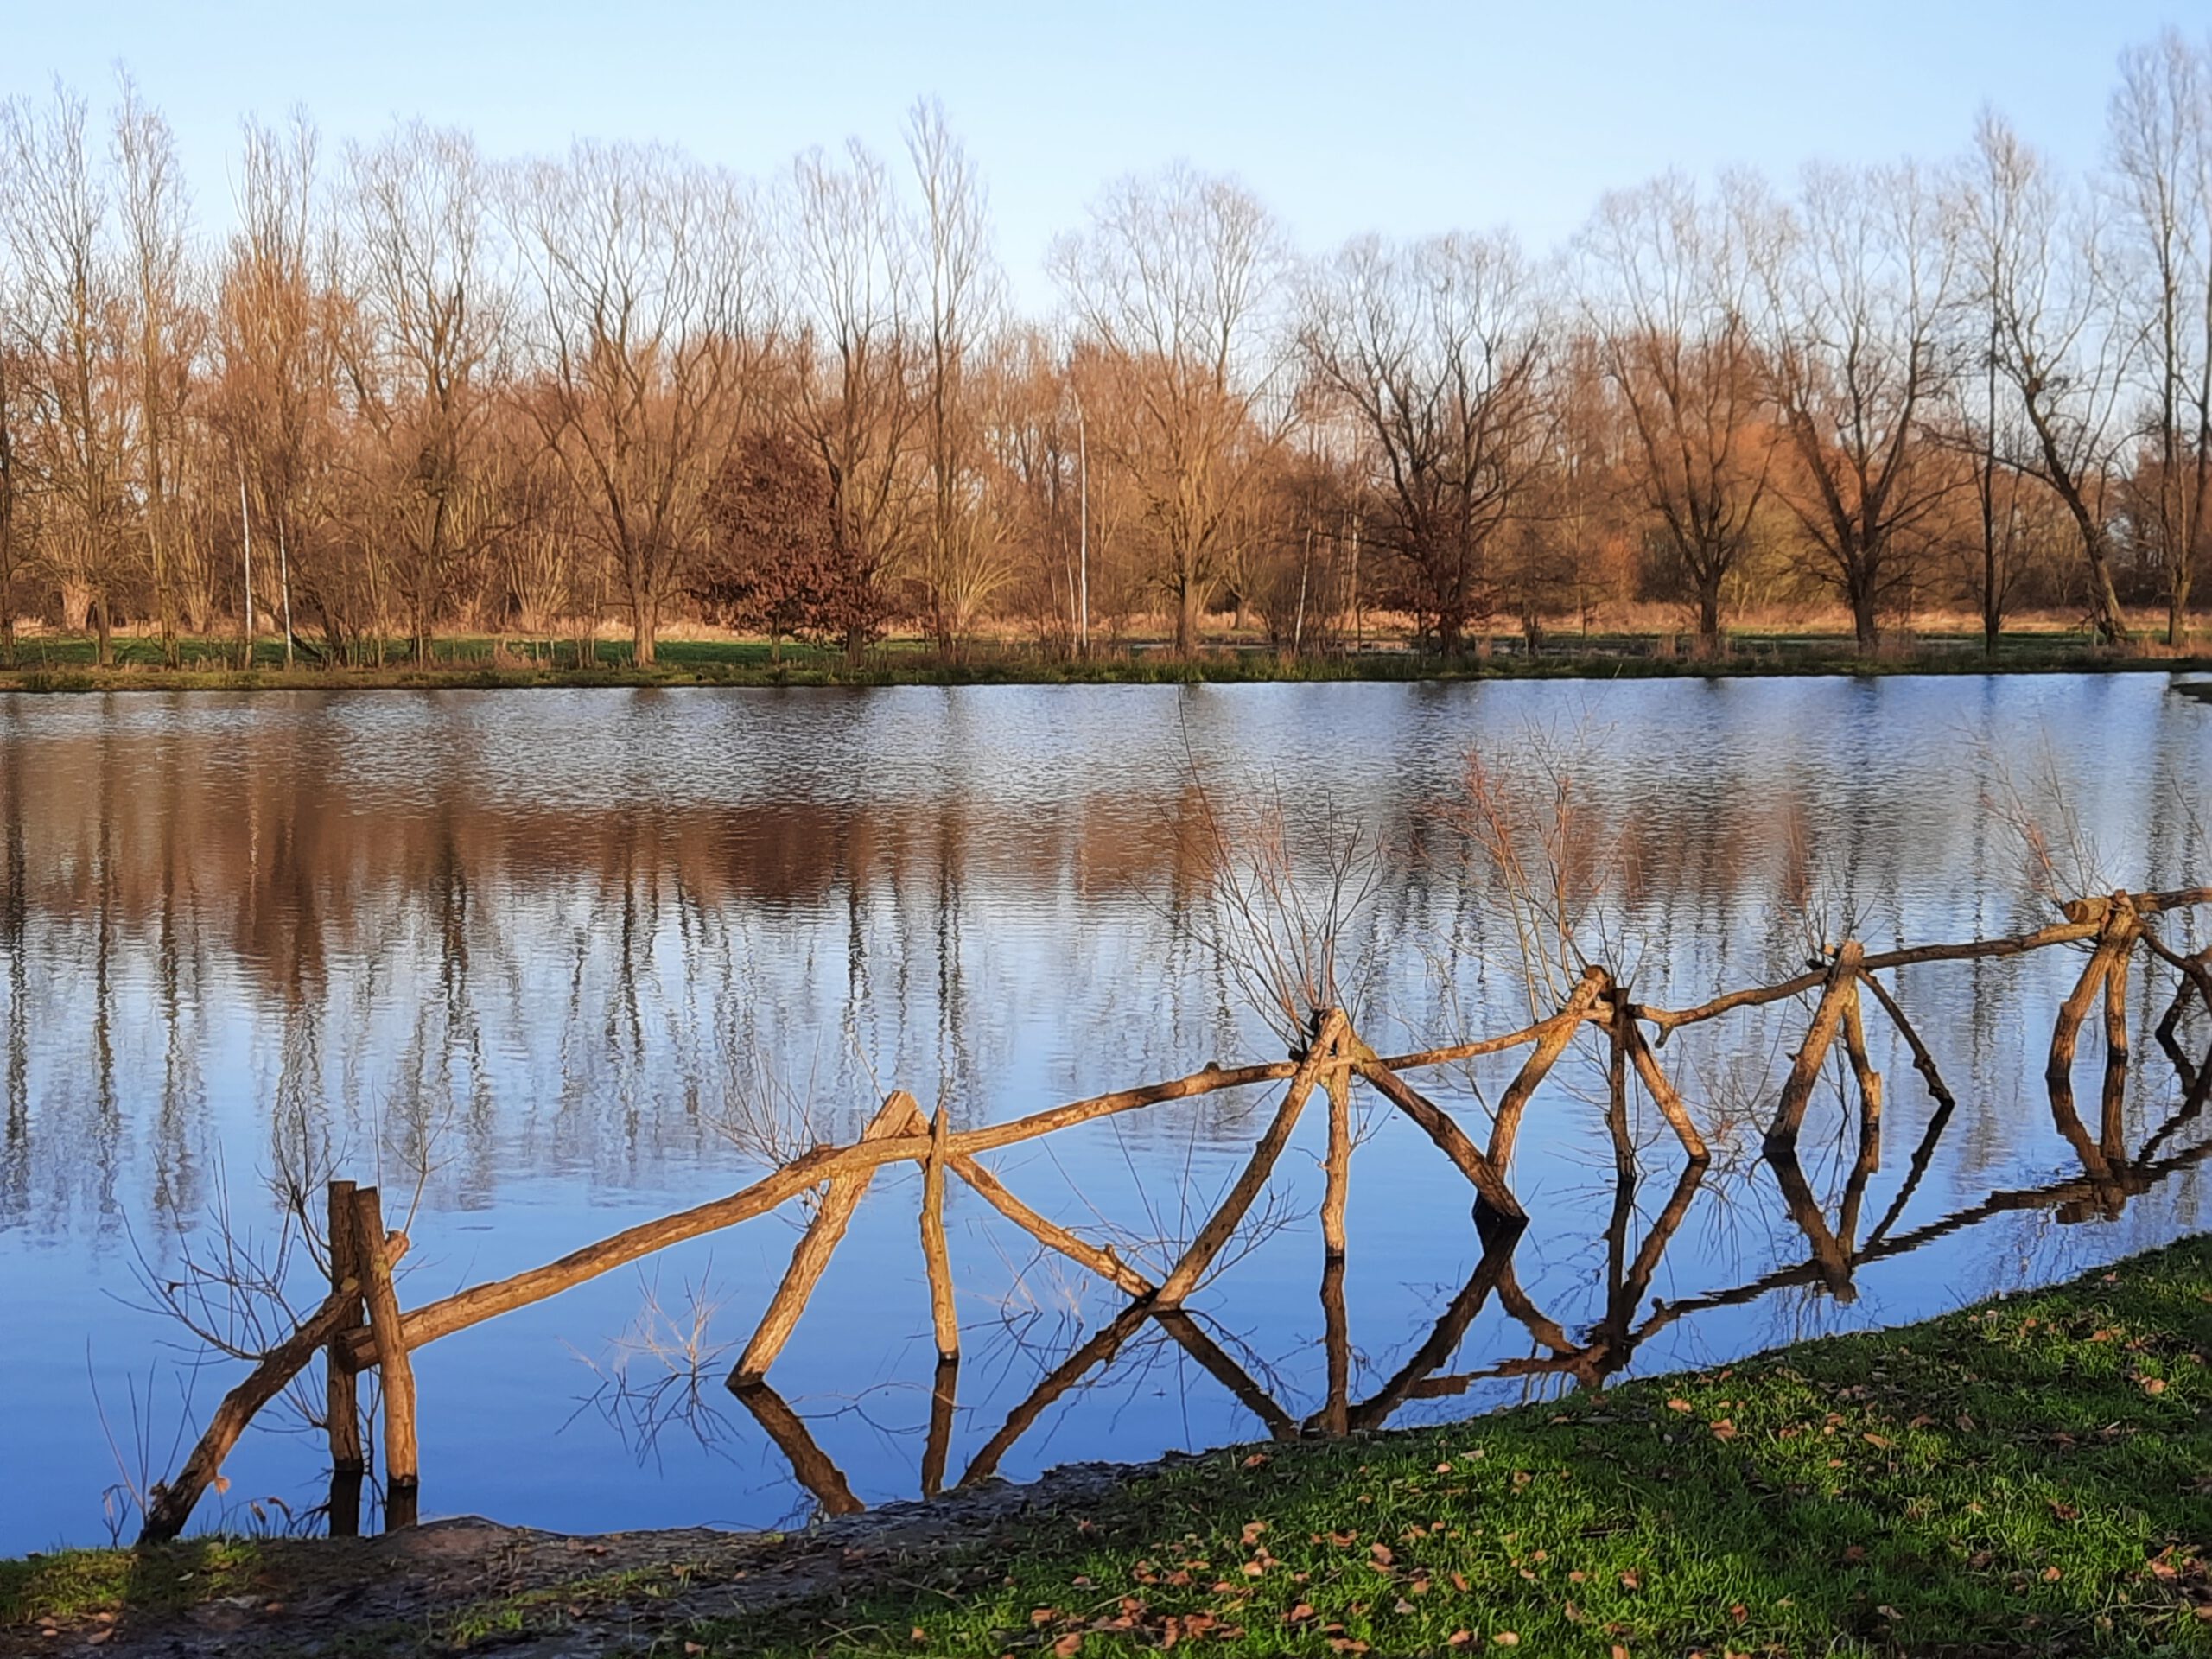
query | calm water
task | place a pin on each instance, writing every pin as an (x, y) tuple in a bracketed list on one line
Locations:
[(555, 958)]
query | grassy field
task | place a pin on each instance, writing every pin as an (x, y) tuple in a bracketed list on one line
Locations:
[(66, 663), (2030, 1476)]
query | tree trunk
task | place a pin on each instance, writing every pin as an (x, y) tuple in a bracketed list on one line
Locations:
[(104, 632), (1708, 613), (644, 629), (2177, 609), (1186, 618), (1863, 620)]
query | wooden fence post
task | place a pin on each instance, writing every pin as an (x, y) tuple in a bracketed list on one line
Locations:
[(342, 1408), (1184, 1277), (817, 1245), (1805, 1067), (402, 1472), (937, 1257)]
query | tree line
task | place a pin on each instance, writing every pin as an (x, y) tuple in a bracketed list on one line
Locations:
[(416, 388)]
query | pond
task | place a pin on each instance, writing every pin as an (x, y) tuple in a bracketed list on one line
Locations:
[(545, 964)]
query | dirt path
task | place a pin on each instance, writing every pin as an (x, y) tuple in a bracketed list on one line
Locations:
[(471, 1583)]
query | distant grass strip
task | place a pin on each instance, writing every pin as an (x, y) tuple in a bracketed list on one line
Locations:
[(2034, 1476), (471, 664)]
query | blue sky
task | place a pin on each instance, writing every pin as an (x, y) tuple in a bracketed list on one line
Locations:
[(1402, 116)]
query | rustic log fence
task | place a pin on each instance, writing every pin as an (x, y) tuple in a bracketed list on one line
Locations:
[(360, 1325)]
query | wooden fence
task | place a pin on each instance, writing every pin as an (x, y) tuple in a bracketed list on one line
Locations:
[(361, 1327)]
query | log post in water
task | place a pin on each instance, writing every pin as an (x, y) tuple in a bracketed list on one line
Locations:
[(1183, 1278), (173, 1501), (341, 1386), (2114, 1125), (1805, 1067), (810, 1255), (1869, 1080), (1655, 1083), (2066, 1031), (1437, 1124), (1101, 1262), (1338, 1166), (1557, 1032), (1924, 1062), (937, 1257), (395, 1367), (1621, 1022)]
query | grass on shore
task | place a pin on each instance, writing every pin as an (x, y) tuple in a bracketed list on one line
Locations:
[(66, 664), (2030, 1476), (2033, 1476)]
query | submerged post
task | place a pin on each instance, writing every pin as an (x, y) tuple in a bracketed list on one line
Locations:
[(402, 1474), (342, 1407), (935, 1256)]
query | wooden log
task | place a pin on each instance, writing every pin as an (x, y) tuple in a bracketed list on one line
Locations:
[(1337, 1167), (944, 1318), (1924, 1062), (2066, 1031), (1656, 1085), (1869, 1080), (1437, 1124), (937, 1450), (395, 1366), (1621, 1022), (807, 1460), (1454, 1053), (341, 1387), (172, 1502), (2116, 994), (1183, 1278), (2114, 1116), (810, 1255), (1805, 1065), (1558, 1032), (1101, 1262), (2086, 919), (2195, 970)]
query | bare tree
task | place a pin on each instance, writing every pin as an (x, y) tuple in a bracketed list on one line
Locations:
[(1437, 348), (2162, 187), (1175, 279), (422, 357), (963, 563), (649, 317), (277, 321), (1671, 303), (1857, 286), (55, 213), (854, 398), (166, 329), (2041, 288)]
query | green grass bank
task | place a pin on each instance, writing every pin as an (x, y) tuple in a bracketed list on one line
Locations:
[(2030, 1476)]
